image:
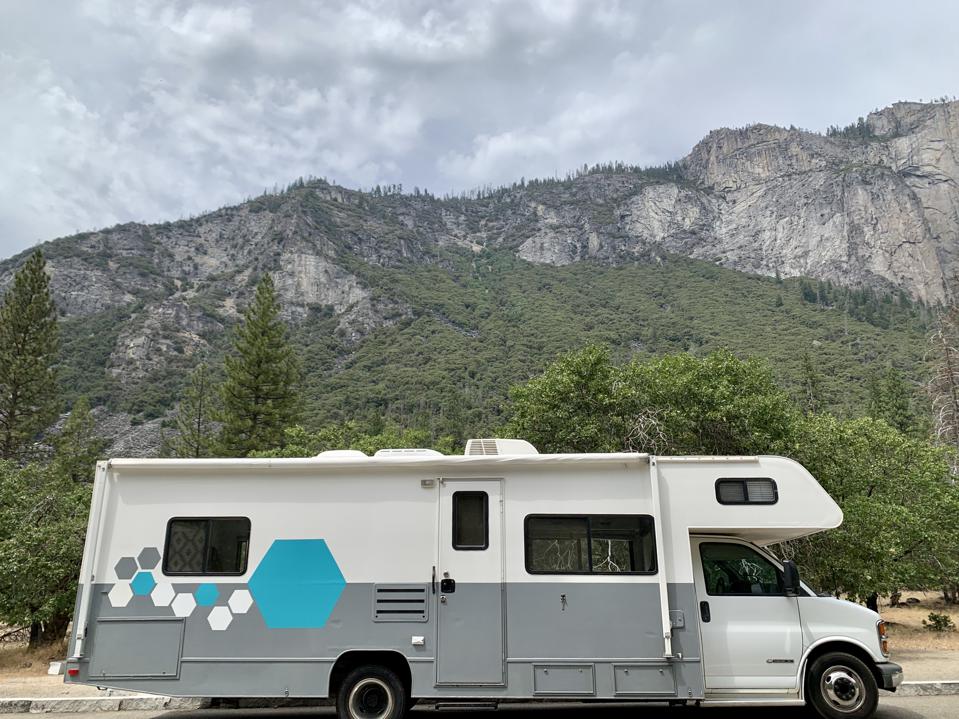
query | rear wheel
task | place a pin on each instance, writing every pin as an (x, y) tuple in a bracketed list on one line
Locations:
[(371, 692), (840, 686)]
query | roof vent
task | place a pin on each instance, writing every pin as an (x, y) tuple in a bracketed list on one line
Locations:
[(342, 454), (411, 452), (490, 447)]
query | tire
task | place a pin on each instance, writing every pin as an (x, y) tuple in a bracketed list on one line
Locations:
[(372, 692), (841, 686)]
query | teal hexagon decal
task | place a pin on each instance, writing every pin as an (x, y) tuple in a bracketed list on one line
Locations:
[(143, 583), (297, 584), (206, 595)]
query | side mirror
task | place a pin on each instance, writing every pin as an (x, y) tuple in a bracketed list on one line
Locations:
[(791, 578)]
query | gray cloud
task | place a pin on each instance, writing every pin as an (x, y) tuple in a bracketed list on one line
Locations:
[(134, 110)]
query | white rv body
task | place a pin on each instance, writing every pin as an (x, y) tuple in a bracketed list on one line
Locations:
[(351, 559)]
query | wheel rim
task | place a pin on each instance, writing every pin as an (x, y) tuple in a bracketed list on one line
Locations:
[(843, 688), (371, 698)]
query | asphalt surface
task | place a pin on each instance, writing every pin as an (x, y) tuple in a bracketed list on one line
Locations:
[(942, 707)]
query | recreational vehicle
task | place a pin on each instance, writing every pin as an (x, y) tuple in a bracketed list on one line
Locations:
[(499, 575)]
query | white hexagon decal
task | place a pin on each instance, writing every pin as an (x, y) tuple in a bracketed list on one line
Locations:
[(162, 594), (120, 595), (219, 618), (240, 601), (184, 604)]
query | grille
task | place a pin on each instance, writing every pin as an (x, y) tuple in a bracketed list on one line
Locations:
[(399, 603)]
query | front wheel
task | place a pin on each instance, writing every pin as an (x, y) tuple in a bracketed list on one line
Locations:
[(840, 686), (371, 692)]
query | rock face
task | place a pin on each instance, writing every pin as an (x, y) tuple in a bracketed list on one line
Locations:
[(880, 209)]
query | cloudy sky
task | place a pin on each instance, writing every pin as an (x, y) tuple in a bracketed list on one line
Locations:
[(139, 110)]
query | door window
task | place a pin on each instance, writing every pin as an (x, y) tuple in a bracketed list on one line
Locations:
[(738, 570), (470, 520)]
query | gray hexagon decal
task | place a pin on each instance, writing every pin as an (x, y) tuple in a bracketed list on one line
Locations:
[(126, 568), (149, 558)]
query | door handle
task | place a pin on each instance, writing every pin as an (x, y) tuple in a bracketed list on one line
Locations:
[(704, 611), (447, 585), (433, 581)]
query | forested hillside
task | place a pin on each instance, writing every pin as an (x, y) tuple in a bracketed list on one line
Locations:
[(815, 251)]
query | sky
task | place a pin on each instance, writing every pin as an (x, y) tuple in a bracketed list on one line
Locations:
[(134, 110)]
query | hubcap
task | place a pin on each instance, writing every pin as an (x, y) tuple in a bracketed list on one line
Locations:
[(843, 688), (371, 698)]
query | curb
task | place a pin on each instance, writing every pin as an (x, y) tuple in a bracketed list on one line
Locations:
[(151, 702), (70, 705), (928, 689)]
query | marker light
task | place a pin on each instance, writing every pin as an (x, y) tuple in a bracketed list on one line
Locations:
[(883, 638)]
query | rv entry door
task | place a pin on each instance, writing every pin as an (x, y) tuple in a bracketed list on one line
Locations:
[(469, 583)]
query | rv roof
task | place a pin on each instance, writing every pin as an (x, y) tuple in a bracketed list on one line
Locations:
[(358, 459)]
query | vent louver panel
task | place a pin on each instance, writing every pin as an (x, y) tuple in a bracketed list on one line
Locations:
[(400, 602), (482, 447)]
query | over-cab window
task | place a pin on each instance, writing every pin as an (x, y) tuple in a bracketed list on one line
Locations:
[(760, 490), (207, 545), (470, 520), (735, 569), (590, 544)]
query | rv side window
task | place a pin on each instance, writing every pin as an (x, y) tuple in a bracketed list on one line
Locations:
[(760, 490), (735, 569), (470, 520), (207, 545), (592, 544)]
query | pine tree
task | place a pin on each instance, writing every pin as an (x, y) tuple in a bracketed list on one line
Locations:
[(195, 416), (811, 382), (890, 400), (260, 397), (943, 388), (78, 446), (29, 343)]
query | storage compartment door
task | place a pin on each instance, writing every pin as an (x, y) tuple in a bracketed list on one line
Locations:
[(126, 648)]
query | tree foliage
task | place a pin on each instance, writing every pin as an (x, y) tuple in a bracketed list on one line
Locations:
[(898, 502), (196, 417), (260, 395), (29, 343), (682, 404)]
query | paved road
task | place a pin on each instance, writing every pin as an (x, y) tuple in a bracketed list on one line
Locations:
[(889, 708)]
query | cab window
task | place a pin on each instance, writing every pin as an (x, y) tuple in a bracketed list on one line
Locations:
[(738, 570)]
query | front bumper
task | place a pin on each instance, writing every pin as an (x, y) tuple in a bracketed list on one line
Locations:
[(890, 676)]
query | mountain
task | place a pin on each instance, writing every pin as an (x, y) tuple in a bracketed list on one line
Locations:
[(425, 310)]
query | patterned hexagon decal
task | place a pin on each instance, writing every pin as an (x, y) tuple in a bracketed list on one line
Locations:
[(206, 595), (183, 605), (240, 601), (143, 583), (297, 584), (162, 595), (220, 618), (126, 568), (120, 595), (149, 558)]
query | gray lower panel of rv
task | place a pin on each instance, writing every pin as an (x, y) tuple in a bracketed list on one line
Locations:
[(601, 640)]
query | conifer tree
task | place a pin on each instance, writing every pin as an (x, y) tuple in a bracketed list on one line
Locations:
[(890, 400), (195, 417), (78, 446), (260, 394), (29, 343), (811, 382)]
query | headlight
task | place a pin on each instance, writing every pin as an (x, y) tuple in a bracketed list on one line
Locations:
[(883, 638)]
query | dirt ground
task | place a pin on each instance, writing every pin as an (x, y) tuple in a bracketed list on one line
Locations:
[(924, 655)]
